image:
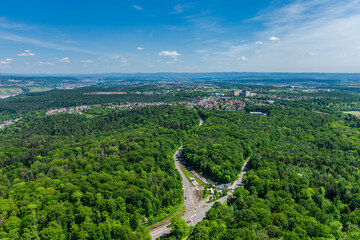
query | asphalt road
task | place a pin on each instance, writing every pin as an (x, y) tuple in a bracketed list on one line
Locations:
[(198, 214), (195, 210), (190, 200)]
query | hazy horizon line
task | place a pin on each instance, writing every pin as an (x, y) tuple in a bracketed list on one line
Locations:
[(134, 73)]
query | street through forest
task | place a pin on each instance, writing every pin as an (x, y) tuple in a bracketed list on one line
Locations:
[(195, 209)]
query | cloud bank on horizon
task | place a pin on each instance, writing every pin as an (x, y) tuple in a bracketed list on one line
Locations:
[(180, 36)]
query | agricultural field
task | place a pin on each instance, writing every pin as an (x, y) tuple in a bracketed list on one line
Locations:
[(38, 89), (355, 113), (10, 90), (6, 91), (280, 91)]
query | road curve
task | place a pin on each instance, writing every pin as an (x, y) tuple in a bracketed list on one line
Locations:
[(195, 210), (190, 200), (203, 206)]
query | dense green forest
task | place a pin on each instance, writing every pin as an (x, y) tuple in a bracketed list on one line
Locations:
[(329, 102), (218, 149), (304, 181), (91, 177), (109, 174), (332, 103), (77, 97)]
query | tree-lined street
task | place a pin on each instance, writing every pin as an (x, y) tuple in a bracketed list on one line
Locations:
[(195, 210)]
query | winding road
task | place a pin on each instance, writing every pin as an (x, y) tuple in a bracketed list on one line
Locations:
[(195, 210)]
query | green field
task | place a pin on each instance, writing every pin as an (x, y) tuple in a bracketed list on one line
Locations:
[(38, 89), (19, 90), (281, 91), (10, 90), (355, 113)]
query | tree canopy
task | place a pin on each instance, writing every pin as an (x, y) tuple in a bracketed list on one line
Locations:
[(91, 177), (303, 182)]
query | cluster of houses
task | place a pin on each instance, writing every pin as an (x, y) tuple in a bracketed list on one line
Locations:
[(129, 106), (213, 103), (8, 123), (71, 110), (244, 93), (152, 92), (288, 98), (259, 102), (105, 93), (310, 89), (217, 103)]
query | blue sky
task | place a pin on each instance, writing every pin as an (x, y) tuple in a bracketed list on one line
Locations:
[(179, 36)]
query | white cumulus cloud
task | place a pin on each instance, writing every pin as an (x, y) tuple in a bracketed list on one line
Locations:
[(64, 60), (140, 48), (315, 36), (7, 61), (258, 42), (26, 53), (173, 54), (274, 38), (243, 58), (87, 61), (45, 63)]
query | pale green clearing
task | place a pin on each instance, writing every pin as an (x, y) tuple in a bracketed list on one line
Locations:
[(280, 91), (38, 89), (18, 90), (355, 113), (10, 90)]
